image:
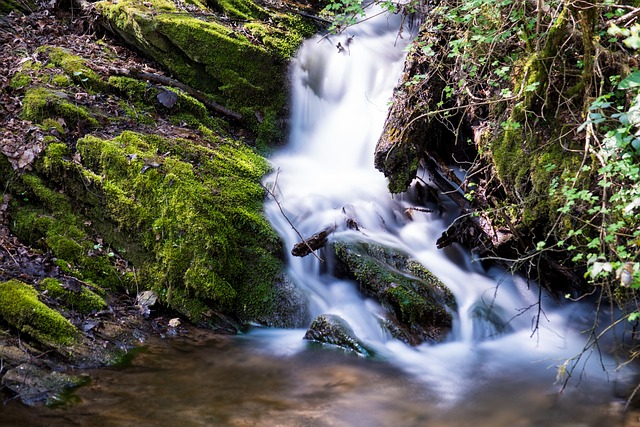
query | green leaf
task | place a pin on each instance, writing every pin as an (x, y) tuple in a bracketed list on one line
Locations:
[(631, 81)]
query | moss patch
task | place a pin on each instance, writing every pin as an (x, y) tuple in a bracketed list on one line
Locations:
[(40, 103), (196, 210), (83, 300), (20, 307), (243, 67)]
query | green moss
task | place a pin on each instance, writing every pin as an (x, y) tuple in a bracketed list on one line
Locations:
[(216, 58), (75, 67), (84, 301), (20, 80), (50, 124), (61, 80), (285, 38), (40, 104), (245, 9), (384, 273), (197, 211), (45, 218), (20, 307)]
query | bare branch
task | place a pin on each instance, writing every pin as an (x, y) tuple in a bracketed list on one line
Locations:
[(275, 199)]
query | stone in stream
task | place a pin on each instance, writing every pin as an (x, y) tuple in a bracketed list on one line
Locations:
[(333, 329), (418, 304), (34, 385)]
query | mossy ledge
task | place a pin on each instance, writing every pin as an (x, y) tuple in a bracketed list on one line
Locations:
[(243, 67), (189, 220), (20, 308)]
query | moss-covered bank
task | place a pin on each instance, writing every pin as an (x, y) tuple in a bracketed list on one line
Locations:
[(173, 205), (189, 220), (21, 308)]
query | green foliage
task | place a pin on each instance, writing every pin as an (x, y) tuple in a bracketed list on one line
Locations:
[(608, 215)]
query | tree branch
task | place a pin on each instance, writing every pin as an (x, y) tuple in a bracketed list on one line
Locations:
[(141, 75)]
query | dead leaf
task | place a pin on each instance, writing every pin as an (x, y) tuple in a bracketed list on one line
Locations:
[(167, 98)]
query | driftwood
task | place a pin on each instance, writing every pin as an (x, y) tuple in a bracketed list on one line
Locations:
[(213, 106), (312, 243)]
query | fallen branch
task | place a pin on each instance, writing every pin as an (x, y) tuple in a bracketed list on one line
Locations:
[(287, 218), (312, 243), (214, 106)]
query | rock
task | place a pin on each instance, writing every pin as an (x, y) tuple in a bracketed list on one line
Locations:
[(419, 304), (334, 330), (34, 385), (290, 307)]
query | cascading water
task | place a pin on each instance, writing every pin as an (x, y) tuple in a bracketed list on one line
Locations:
[(340, 97)]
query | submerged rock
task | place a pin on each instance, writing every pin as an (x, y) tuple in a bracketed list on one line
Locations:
[(333, 329), (34, 385), (419, 304)]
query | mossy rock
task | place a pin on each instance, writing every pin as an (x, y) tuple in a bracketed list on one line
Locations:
[(82, 300), (47, 220), (414, 296), (190, 220), (234, 66), (334, 330), (21, 308), (34, 385), (74, 67), (40, 103)]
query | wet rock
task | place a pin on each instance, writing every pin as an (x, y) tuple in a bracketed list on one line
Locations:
[(333, 329), (419, 304), (34, 385), (290, 307)]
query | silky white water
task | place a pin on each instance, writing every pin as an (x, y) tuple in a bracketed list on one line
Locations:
[(339, 103)]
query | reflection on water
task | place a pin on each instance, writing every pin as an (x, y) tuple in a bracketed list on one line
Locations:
[(234, 381)]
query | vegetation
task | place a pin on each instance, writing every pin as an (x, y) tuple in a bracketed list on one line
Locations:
[(174, 209), (420, 301)]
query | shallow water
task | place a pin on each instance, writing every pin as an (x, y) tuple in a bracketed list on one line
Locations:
[(241, 381)]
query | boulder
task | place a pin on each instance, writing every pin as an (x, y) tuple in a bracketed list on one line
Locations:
[(334, 330), (34, 385), (419, 304)]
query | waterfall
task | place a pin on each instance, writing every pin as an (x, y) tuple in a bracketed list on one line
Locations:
[(339, 104)]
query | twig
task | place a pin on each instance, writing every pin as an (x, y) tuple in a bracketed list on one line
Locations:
[(172, 82), (11, 255), (287, 218)]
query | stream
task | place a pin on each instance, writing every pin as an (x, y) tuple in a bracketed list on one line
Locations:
[(272, 377)]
